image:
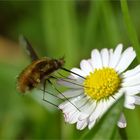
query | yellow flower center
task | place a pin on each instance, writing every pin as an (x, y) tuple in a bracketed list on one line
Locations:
[(102, 83)]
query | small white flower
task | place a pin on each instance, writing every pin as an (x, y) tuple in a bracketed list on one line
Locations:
[(102, 82)]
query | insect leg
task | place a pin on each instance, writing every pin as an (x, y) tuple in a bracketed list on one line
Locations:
[(62, 94), (50, 103), (50, 94), (44, 85)]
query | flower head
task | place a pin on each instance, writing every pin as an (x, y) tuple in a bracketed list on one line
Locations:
[(102, 82)]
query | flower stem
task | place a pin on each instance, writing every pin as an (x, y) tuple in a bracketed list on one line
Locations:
[(123, 134)]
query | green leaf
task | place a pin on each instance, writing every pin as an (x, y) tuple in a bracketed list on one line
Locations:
[(107, 126)]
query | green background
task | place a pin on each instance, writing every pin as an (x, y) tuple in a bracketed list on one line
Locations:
[(58, 28)]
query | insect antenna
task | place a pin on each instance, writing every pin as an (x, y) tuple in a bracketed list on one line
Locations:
[(62, 93)]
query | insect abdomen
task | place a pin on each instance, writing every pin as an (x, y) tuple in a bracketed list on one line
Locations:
[(36, 72)]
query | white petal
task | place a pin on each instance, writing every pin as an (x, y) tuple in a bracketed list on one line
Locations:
[(129, 99), (129, 106), (126, 59), (137, 100), (69, 108), (95, 114), (118, 95), (129, 102), (87, 109), (62, 105), (73, 104), (83, 116), (110, 57), (71, 93), (81, 124), (71, 117), (122, 121), (132, 72), (74, 117), (71, 83), (86, 67), (96, 59), (116, 56), (132, 78), (66, 117), (66, 104), (103, 106), (81, 102), (134, 82), (90, 62), (132, 90), (77, 71), (105, 57), (91, 124)]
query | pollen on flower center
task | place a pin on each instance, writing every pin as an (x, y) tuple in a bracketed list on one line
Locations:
[(102, 83)]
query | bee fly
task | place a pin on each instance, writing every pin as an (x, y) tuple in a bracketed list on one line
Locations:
[(39, 71)]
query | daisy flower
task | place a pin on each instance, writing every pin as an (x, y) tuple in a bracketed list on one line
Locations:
[(98, 84)]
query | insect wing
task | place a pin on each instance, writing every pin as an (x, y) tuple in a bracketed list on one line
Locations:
[(28, 47)]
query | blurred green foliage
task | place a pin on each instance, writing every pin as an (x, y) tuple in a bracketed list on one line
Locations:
[(56, 28)]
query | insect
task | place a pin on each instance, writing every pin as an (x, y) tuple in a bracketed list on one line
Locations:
[(39, 70)]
